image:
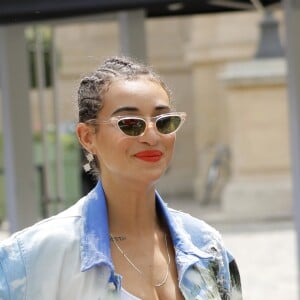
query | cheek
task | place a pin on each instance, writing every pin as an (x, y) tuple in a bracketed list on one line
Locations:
[(169, 145), (112, 146), (171, 141)]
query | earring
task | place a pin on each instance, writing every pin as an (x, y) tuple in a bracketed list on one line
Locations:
[(87, 167)]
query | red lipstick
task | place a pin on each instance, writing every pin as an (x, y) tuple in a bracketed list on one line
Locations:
[(149, 155)]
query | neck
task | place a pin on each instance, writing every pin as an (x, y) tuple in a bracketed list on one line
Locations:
[(131, 210)]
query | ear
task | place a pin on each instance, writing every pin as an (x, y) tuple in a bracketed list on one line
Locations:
[(86, 135)]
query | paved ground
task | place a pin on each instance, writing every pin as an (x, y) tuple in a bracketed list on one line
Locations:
[(265, 252), (266, 255)]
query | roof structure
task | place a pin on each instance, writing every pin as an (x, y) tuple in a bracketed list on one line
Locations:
[(16, 11)]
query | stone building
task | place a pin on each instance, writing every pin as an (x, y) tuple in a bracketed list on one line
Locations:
[(233, 150)]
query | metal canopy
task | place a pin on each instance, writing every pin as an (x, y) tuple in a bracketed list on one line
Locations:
[(16, 11)]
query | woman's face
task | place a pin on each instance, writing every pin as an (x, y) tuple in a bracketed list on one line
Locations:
[(124, 157)]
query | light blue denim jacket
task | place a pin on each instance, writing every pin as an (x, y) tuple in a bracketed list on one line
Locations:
[(68, 257)]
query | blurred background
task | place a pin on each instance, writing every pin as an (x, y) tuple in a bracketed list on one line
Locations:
[(227, 69)]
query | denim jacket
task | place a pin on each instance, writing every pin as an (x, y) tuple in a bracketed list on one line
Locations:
[(68, 257)]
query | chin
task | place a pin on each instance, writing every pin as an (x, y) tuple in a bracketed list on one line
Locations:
[(148, 177)]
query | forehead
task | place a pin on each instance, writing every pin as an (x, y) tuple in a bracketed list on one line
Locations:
[(142, 94)]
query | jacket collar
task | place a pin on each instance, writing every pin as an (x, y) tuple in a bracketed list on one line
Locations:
[(95, 237), (95, 245)]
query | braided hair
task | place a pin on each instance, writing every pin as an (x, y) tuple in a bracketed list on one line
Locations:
[(92, 88)]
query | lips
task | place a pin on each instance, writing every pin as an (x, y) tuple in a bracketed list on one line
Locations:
[(149, 155)]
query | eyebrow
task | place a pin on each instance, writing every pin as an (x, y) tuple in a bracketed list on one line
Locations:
[(125, 109), (135, 109)]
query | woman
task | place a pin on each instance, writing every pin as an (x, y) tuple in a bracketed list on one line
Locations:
[(121, 241)]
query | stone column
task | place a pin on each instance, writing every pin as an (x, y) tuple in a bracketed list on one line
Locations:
[(260, 185), (22, 206)]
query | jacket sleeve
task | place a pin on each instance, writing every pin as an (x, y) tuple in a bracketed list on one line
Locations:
[(235, 275), (236, 286), (12, 271), (4, 292)]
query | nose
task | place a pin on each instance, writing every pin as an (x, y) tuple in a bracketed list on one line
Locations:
[(150, 136)]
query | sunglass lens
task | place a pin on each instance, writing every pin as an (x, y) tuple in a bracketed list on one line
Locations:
[(168, 124), (131, 126)]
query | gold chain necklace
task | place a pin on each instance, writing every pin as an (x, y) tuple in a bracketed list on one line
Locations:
[(164, 280)]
